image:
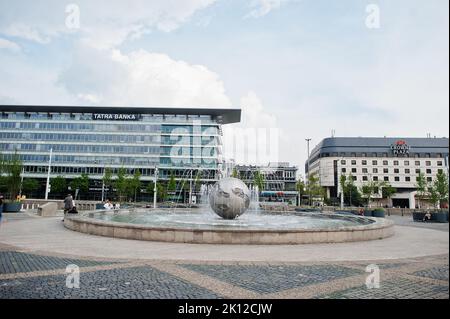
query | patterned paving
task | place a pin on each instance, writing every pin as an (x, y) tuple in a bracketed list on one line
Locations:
[(37, 276), (129, 283), (18, 262), (439, 273), (394, 289), (270, 279)]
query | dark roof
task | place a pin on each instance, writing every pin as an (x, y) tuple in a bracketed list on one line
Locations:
[(379, 144), (224, 116)]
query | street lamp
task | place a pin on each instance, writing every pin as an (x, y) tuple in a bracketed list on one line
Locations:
[(154, 187), (308, 140), (47, 188)]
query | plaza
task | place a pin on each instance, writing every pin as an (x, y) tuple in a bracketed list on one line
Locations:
[(35, 251)]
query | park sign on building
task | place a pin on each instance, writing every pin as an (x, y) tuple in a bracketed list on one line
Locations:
[(115, 117), (400, 148)]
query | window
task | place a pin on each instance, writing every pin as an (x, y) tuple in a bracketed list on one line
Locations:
[(354, 170), (385, 163), (429, 179), (364, 162), (386, 170), (396, 163), (365, 171), (397, 179), (417, 163), (396, 171), (364, 178), (407, 179), (386, 178), (375, 170), (344, 170), (418, 171), (355, 178), (406, 163), (353, 162), (428, 163), (343, 162), (374, 162), (439, 163), (428, 171), (375, 178), (407, 171)]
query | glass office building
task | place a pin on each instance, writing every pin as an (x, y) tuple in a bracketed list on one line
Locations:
[(177, 141)]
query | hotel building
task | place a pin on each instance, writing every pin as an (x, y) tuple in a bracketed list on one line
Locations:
[(397, 161)]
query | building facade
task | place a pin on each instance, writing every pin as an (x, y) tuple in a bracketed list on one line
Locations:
[(396, 161), (280, 180), (181, 142)]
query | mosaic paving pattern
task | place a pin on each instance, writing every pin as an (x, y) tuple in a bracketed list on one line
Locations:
[(270, 279), (34, 276), (18, 262), (128, 283), (439, 273), (395, 289)]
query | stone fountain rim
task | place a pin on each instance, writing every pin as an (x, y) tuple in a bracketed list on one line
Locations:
[(377, 223)]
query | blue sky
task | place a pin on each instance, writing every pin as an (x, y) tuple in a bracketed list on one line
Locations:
[(302, 66)]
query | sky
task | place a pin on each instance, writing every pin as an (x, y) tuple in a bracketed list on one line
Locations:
[(297, 68)]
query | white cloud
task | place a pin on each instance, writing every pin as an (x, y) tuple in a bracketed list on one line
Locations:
[(257, 138), (253, 113), (261, 8), (9, 45), (141, 78), (103, 23), (24, 31)]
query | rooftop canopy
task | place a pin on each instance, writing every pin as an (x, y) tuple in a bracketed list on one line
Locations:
[(223, 116)]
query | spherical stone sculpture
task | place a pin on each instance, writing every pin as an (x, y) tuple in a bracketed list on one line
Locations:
[(229, 198)]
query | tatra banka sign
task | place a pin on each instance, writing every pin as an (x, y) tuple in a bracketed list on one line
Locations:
[(400, 148), (115, 117)]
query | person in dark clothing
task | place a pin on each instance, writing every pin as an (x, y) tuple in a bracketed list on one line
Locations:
[(68, 203)]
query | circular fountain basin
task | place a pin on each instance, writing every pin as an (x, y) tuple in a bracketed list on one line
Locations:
[(251, 228)]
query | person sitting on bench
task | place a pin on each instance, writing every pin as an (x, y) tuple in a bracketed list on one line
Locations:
[(427, 217)]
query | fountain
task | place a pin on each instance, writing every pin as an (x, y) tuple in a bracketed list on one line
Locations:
[(224, 222)]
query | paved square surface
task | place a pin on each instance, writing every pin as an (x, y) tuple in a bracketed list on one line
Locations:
[(129, 283), (270, 279), (440, 273), (394, 289), (17, 262)]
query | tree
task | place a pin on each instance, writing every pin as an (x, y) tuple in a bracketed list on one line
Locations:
[(235, 173), (422, 187), (387, 190), (134, 183), (107, 180), (13, 169), (439, 189), (81, 183), (161, 191), (258, 180), (313, 188), (121, 183), (369, 189), (29, 186), (172, 185), (150, 188), (59, 185), (300, 187), (351, 194), (3, 179), (197, 181)]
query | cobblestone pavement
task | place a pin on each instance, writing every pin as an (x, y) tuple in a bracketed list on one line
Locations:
[(36, 275)]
